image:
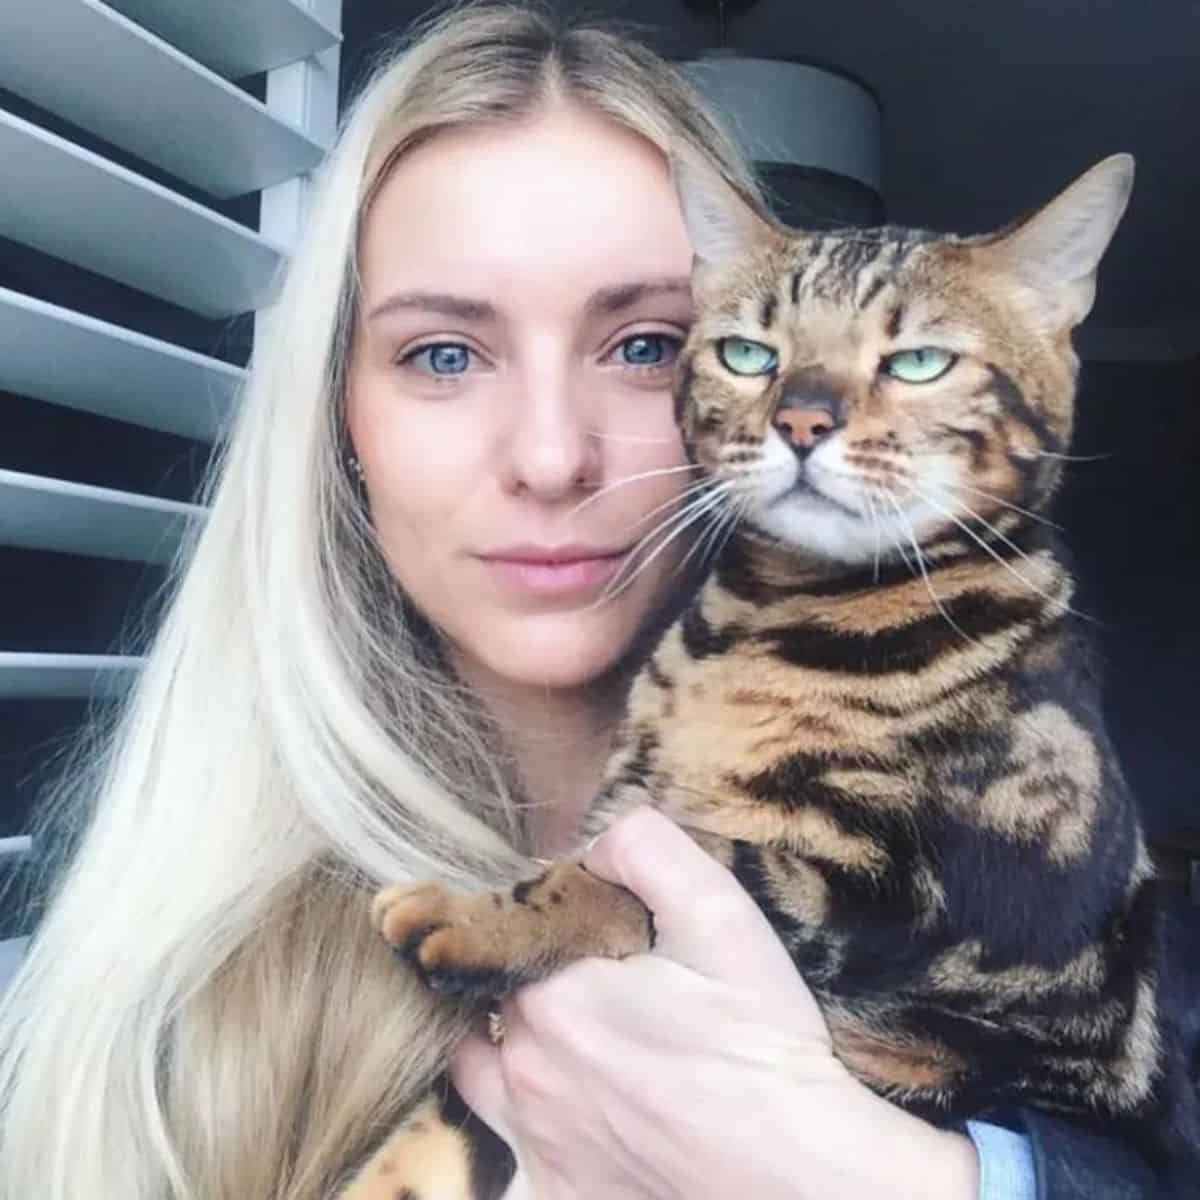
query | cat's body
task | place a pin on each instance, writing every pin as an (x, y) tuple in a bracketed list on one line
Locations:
[(908, 804), (898, 751)]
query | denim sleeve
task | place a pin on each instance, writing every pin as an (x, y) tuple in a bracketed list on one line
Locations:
[(1074, 1163), (1006, 1170)]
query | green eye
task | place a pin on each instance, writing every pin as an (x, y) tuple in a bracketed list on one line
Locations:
[(919, 366), (744, 357)]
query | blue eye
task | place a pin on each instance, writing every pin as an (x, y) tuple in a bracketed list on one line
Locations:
[(923, 365), (744, 357), (649, 350), (440, 358)]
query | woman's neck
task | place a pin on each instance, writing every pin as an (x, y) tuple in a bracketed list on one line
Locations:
[(560, 740)]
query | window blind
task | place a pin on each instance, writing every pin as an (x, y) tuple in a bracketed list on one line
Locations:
[(154, 158)]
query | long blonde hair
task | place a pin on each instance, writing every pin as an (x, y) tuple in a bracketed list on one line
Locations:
[(204, 1013)]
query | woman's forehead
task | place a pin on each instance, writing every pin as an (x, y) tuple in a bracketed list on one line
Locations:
[(566, 194)]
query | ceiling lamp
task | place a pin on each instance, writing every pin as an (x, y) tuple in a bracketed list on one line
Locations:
[(812, 133)]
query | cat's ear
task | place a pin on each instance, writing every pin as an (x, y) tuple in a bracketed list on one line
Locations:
[(722, 224), (1058, 249)]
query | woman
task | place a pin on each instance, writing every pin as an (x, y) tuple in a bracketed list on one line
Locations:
[(458, 421)]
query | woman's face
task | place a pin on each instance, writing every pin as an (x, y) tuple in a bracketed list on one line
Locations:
[(524, 294)]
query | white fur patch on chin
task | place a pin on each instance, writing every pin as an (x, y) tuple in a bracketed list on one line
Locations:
[(816, 526), (845, 530)]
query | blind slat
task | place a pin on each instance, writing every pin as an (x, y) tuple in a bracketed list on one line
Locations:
[(63, 357), (73, 204), (204, 130), (39, 513), (65, 676), (235, 38)]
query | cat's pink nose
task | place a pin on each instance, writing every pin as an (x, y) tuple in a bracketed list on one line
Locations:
[(803, 428)]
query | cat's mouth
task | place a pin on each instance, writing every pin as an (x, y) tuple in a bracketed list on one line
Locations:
[(803, 488), (861, 493)]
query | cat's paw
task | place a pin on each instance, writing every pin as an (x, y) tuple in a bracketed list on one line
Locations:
[(455, 942), (488, 945), (404, 914)]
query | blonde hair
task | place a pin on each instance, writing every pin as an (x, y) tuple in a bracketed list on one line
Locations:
[(204, 1013)]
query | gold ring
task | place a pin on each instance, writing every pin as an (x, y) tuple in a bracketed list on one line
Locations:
[(495, 1026)]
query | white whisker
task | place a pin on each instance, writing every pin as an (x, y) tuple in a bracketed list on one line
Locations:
[(735, 517), (726, 525), (693, 517), (690, 490), (620, 483), (1075, 458), (670, 529), (937, 600), (631, 437), (1006, 504), (717, 537), (904, 559), (705, 541), (876, 527), (992, 552)]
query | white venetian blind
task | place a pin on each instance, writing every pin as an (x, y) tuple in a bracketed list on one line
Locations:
[(153, 162)]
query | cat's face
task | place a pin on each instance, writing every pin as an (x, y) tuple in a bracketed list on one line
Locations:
[(861, 390)]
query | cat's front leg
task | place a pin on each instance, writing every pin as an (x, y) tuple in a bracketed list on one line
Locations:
[(490, 944)]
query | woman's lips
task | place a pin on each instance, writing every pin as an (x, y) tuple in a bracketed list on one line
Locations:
[(563, 577)]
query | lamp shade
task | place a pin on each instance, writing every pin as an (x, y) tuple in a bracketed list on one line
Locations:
[(814, 135)]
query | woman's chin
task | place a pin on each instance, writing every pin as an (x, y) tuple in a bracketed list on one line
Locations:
[(562, 652)]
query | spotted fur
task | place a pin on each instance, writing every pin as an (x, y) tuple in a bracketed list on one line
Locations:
[(880, 710)]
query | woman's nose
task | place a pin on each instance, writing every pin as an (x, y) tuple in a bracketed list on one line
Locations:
[(551, 451)]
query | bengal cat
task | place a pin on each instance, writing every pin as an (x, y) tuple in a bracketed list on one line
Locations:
[(879, 710)]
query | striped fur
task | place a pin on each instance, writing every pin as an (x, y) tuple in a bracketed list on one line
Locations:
[(880, 710)]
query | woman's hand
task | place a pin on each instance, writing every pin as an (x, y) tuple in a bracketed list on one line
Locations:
[(702, 1070)]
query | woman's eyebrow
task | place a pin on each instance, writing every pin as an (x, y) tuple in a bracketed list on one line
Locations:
[(605, 301), (461, 307), (609, 300)]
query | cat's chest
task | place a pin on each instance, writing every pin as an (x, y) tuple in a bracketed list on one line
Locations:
[(712, 727), (733, 732)]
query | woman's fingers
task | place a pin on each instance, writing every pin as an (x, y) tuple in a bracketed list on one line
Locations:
[(477, 1074), (703, 917), (521, 1097)]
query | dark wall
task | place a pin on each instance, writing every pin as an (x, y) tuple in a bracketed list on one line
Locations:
[(1133, 519)]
